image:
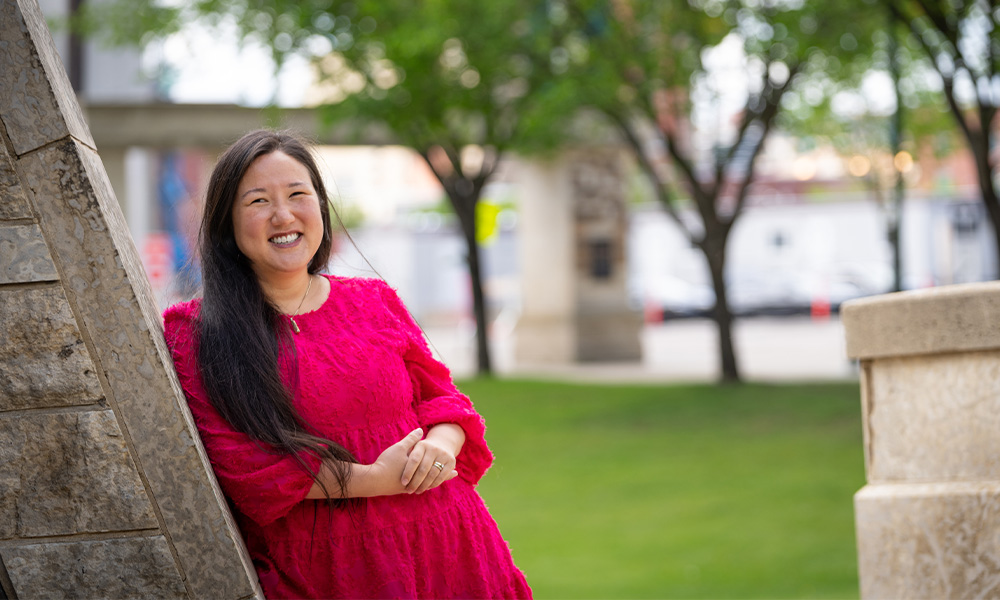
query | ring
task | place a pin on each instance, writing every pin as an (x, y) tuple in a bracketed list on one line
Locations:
[(439, 466)]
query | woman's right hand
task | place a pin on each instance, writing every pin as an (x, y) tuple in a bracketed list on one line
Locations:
[(381, 478), (387, 471)]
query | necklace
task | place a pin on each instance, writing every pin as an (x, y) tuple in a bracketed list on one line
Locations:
[(291, 317)]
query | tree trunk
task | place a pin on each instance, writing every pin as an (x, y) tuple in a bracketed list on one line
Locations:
[(465, 209), (895, 210), (990, 200), (484, 366), (721, 313)]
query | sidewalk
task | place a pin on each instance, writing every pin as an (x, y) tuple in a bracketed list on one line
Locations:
[(768, 349)]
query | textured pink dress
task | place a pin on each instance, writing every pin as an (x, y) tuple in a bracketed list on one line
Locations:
[(365, 379)]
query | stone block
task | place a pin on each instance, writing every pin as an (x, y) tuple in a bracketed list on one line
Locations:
[(24, 257), (934, 418), (135, 567), (933, 540), (545, 339), (105, 281), (43, 360), (37, 105), (609, 335), (954, 318), (68, 473), (13, 204)]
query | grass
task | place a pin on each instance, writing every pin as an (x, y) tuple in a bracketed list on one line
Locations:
[(676, 491)]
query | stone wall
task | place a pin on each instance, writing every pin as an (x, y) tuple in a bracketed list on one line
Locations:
[(928, 521), (105, 491)]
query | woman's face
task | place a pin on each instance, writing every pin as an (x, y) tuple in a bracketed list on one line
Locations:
[(276, 217)]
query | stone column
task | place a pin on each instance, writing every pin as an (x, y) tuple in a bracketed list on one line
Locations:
[(545, 332), (928, 521), (105, 490), (573, 274)]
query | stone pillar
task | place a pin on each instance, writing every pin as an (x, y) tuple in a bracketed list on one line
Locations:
[(545, 331), (105, 491), (928, 521), (573, 272)]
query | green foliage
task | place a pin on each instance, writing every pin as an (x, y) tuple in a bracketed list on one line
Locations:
[(676, 491), (439, 72)]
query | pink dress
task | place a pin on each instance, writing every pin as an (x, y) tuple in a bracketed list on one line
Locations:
[(365, 379)]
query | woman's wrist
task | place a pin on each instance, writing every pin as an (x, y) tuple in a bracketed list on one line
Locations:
[(449, 434), (365, 481)]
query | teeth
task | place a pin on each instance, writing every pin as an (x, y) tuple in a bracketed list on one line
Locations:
[(284, 239)]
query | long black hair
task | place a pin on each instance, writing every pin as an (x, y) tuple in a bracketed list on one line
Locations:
[(242, 337)]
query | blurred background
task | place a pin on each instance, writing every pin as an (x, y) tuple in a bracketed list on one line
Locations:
[(635, 198)]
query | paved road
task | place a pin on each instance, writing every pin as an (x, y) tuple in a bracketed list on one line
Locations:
[(769, 349)]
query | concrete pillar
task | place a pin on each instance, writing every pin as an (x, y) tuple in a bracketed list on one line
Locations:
[(105, 490), (573, 225), (928, 521)]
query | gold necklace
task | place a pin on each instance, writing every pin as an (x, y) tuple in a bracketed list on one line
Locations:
[(291, 317)]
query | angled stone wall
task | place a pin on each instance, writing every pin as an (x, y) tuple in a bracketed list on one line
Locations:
[(105, 491)]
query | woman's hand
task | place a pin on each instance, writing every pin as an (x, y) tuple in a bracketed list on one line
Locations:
[(431, 462), (408, 461)]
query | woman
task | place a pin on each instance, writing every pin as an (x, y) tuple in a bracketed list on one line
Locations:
[(346, 452)]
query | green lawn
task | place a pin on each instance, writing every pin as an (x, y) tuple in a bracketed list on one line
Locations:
[(675, 491)]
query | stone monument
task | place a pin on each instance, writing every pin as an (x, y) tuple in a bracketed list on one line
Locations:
[(105, 490), (928, 521), (573, 229)]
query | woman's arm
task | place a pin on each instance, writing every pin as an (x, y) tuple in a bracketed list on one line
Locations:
[(438, 404), (385, 477)]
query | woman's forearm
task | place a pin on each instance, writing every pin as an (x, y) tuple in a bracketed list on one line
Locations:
[(364, 482), (383, 477)]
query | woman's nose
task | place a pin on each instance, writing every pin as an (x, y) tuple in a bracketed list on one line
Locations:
[(282, 213)]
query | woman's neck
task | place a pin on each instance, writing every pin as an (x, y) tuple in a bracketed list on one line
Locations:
[(287, 293)]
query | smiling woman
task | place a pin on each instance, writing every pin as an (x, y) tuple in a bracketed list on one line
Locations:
[(278, 226), (313, 394)]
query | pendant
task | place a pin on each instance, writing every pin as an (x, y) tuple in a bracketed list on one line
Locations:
[(295, 326)]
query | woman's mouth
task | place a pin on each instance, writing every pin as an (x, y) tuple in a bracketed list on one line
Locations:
[(286, 239)]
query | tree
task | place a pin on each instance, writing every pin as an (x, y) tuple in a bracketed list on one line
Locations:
[(459, 81), (880, 135), (650, 58), (961, 41)]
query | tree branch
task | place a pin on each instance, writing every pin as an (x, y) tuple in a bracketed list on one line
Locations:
[(766, 119), (659, 187), (947, 80)]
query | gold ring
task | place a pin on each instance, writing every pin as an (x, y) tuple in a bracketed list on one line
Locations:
[(439, 466)]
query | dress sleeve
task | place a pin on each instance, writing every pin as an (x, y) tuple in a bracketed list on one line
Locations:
[(263, 483), (435, 397)]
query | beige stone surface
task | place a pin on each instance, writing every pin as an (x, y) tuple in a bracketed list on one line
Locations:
[(12, 202), (934, 418), (68, 473), (929, 540), (609, 336), (37, 105), (24, 257), (104, 278), (952, 318), (542, 339), (45, 362), (135, 567)]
